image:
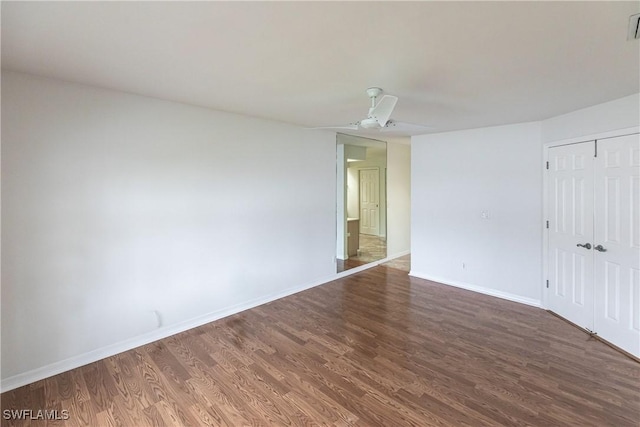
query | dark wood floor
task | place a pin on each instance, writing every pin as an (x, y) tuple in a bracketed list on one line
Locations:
[(348, 264), (376, 348)]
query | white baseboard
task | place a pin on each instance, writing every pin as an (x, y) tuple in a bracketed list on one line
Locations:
[(55, 368), (480, 289)]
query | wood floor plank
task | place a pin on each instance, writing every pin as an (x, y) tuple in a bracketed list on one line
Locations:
[(274, 411), (217, 403), (208, 417), (105, 419), (376, 348), (140, 391), (84, 411), (100, 385), (155, 417)]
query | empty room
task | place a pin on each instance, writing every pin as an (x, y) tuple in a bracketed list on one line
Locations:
[(320, 213)]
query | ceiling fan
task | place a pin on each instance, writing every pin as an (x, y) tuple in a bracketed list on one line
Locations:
[(379, 117)]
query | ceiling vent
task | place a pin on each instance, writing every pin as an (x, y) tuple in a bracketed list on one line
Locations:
[(634, 27)]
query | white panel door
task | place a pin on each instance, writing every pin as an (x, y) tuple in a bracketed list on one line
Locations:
[(617, 242), (369, 201), (570, 192)]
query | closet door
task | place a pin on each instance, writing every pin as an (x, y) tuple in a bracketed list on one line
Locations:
[(617, 242), (570, 192)]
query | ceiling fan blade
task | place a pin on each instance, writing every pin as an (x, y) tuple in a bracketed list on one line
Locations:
[(383, 110), (349, 127), (404, 128)]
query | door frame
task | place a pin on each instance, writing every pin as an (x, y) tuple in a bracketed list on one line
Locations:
[(341, 194), (545, 195)]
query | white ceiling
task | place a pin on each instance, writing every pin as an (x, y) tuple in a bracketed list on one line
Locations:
[(454, 65)]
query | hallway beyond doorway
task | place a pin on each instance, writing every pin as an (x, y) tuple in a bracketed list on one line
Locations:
[(371, 248)]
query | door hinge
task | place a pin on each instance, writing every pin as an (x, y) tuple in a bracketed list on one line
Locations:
[(547, 223), (547, 165), (595, 154), (547, 283)]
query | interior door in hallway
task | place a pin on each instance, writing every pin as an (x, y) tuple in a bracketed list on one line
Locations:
[(370, 201), (617, 242), (570, 193)]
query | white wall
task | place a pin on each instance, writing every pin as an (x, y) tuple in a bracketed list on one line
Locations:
[(617, 114), (398, 199), (353, 192), (457, 175), (124, 215)]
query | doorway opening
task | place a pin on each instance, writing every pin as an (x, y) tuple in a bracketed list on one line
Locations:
[(361, 201)]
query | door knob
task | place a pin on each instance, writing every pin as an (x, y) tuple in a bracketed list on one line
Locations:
[(586, 245), (600, 248)]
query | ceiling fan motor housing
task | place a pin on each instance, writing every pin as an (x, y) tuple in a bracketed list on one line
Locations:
[(369, 123)]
